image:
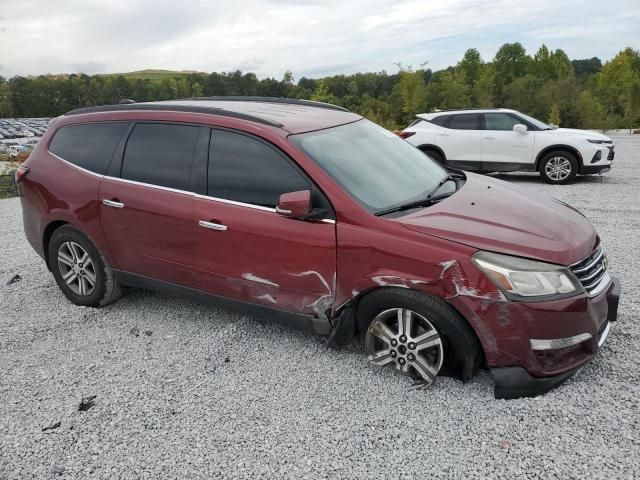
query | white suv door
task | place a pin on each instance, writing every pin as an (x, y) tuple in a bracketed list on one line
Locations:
[(461, 140), (501, 144)]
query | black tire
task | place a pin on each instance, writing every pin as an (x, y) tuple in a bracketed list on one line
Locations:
[(463, 353), (433, 155), (567, 158), (106, 288)]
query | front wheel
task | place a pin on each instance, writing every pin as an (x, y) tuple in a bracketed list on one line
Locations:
[(419, 335), (558, 167)]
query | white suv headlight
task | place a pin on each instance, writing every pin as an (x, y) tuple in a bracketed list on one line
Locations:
[(522, 279)]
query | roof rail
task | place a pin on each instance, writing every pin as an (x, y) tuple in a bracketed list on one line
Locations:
[(437, 110), (175, 108), (284, 100)]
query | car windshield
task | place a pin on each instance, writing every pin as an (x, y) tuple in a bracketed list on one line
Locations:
[(375, 167), (537, 123)]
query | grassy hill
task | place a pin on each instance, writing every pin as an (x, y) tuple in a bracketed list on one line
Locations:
[(152, 74)]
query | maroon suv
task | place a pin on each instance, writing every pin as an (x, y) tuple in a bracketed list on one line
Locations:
[(314, 216)]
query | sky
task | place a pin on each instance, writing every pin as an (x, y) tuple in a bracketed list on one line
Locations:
[(311, 38)]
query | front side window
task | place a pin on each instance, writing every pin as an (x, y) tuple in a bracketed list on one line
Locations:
[(500, 121), (89, 145), (465, 121), (160, 154), (374, 166), (244, 169)]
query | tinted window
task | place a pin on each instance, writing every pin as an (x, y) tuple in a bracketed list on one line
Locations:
[(500, 121), (90, 145), (160, 154), (441, 120), (246, 170), (465, 121)]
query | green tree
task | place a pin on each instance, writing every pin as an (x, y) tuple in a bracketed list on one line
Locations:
[(590, 111), (554, 115), (6, 107), (412, 90), (471, 66), (618, 87), (196, 90)]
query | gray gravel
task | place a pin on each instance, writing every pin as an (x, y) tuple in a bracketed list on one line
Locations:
[(169, 405)]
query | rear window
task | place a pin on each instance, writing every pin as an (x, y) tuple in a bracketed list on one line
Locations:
[(90, 145), (160, 154), (465, 121)]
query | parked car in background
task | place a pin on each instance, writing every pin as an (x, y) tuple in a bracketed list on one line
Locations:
[(503, 140), (309, 214)]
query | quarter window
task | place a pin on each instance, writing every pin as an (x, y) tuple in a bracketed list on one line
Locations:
[(500, 121), (441, 120), (465, 121), (160, 154), (89, 145), (246, 170)]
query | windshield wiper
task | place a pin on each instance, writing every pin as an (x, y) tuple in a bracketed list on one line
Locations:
[(430, 199)]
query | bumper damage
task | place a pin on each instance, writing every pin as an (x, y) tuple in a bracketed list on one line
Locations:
[(517, 382)]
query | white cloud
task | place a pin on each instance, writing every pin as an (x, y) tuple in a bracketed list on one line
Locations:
[(307, 37)]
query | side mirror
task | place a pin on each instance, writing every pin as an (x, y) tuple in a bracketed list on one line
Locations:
[(519, 128), (295, 204)]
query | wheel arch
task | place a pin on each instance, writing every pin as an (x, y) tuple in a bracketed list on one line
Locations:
[(563, 147), (46, 238), (428, 146)]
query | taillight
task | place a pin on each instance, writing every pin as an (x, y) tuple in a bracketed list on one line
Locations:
[(21, 173), (406, 134)]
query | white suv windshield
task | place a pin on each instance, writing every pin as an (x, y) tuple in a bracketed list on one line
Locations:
[(537, 123), (374, 166)]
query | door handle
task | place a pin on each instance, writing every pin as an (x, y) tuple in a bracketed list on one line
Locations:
[(213, 226), (113, 203), (443, 134), (490, 138)]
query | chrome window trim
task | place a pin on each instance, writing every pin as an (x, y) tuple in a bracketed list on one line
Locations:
[(175, 190)]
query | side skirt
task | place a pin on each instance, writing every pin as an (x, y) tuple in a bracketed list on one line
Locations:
[(492, 166), (307, 323)]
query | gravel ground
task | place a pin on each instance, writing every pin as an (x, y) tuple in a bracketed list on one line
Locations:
[(186, 391)]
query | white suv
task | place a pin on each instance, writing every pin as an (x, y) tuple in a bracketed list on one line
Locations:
[(502, 140)]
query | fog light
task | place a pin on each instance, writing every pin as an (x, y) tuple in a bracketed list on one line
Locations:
[(596, 157)]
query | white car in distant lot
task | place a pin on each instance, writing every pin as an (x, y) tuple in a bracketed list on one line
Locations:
[(503, 140)]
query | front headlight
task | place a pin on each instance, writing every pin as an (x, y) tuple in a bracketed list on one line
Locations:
[(590, 140), (522, 279)]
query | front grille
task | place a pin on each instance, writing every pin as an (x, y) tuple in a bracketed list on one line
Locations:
[(592, 272)]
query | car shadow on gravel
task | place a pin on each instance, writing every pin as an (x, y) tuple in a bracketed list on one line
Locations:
[(535, 178)]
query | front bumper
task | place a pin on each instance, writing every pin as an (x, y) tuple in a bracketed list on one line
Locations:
[(516, 381), (597, 159)]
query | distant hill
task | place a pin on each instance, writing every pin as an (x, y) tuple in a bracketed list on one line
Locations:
[(152, 74)]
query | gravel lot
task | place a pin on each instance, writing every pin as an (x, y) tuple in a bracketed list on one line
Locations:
[(186, 391)]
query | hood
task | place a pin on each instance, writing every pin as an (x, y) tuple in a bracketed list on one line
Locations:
[(493, 215), (574, 132)]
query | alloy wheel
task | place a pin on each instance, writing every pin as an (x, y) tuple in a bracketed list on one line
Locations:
[(407, 340), (76, 268), (558, 168)]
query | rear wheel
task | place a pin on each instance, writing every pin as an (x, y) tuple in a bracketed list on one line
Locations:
[(558, 167), (80, 270), (419, 335)]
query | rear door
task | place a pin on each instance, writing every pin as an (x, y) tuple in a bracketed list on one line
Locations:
[(147, 202), (461, 139), (245, 249), (503, 146)]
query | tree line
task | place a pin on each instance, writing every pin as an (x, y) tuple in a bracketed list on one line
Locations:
[(548, 85)]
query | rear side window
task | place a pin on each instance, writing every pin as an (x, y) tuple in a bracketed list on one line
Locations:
[(90, 145), (465, 121), (247, 170), (160, 154), (441, 120)]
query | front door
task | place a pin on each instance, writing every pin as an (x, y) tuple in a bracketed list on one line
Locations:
[(501, 145), (147, 213), (246, 250)]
